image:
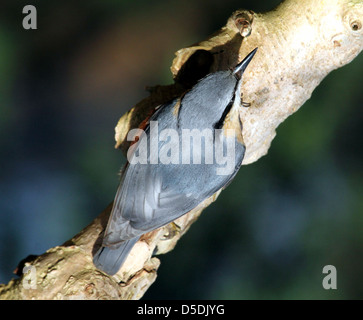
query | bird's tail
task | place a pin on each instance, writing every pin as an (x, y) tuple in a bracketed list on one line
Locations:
[(110, 259)]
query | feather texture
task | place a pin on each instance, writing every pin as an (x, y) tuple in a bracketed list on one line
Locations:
[(153, 194)]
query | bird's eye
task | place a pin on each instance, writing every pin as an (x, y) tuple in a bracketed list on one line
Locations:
[(356, 25)]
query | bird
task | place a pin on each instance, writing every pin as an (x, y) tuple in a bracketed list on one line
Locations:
[(170, 178)]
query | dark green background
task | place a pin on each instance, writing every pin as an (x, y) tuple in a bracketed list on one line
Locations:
[(268, 236)]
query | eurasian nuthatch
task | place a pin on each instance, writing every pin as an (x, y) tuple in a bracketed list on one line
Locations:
[(162, 183)]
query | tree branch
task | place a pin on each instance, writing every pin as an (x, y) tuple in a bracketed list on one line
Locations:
[(299, 42)]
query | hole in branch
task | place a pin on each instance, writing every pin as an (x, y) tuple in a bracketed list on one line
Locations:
[(356, 25)]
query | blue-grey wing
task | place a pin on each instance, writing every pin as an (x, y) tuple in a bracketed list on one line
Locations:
[(143, 203), (151, 196)]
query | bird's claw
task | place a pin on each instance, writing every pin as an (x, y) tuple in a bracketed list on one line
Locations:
[(172, 230)]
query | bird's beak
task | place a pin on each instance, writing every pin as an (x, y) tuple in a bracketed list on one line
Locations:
[(241, 67)]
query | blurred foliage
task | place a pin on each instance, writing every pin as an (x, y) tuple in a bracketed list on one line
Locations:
[(268, 236)]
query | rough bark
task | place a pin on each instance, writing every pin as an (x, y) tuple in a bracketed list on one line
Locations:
[(299, 42)]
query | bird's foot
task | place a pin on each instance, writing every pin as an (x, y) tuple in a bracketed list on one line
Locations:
[(172, 230)]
